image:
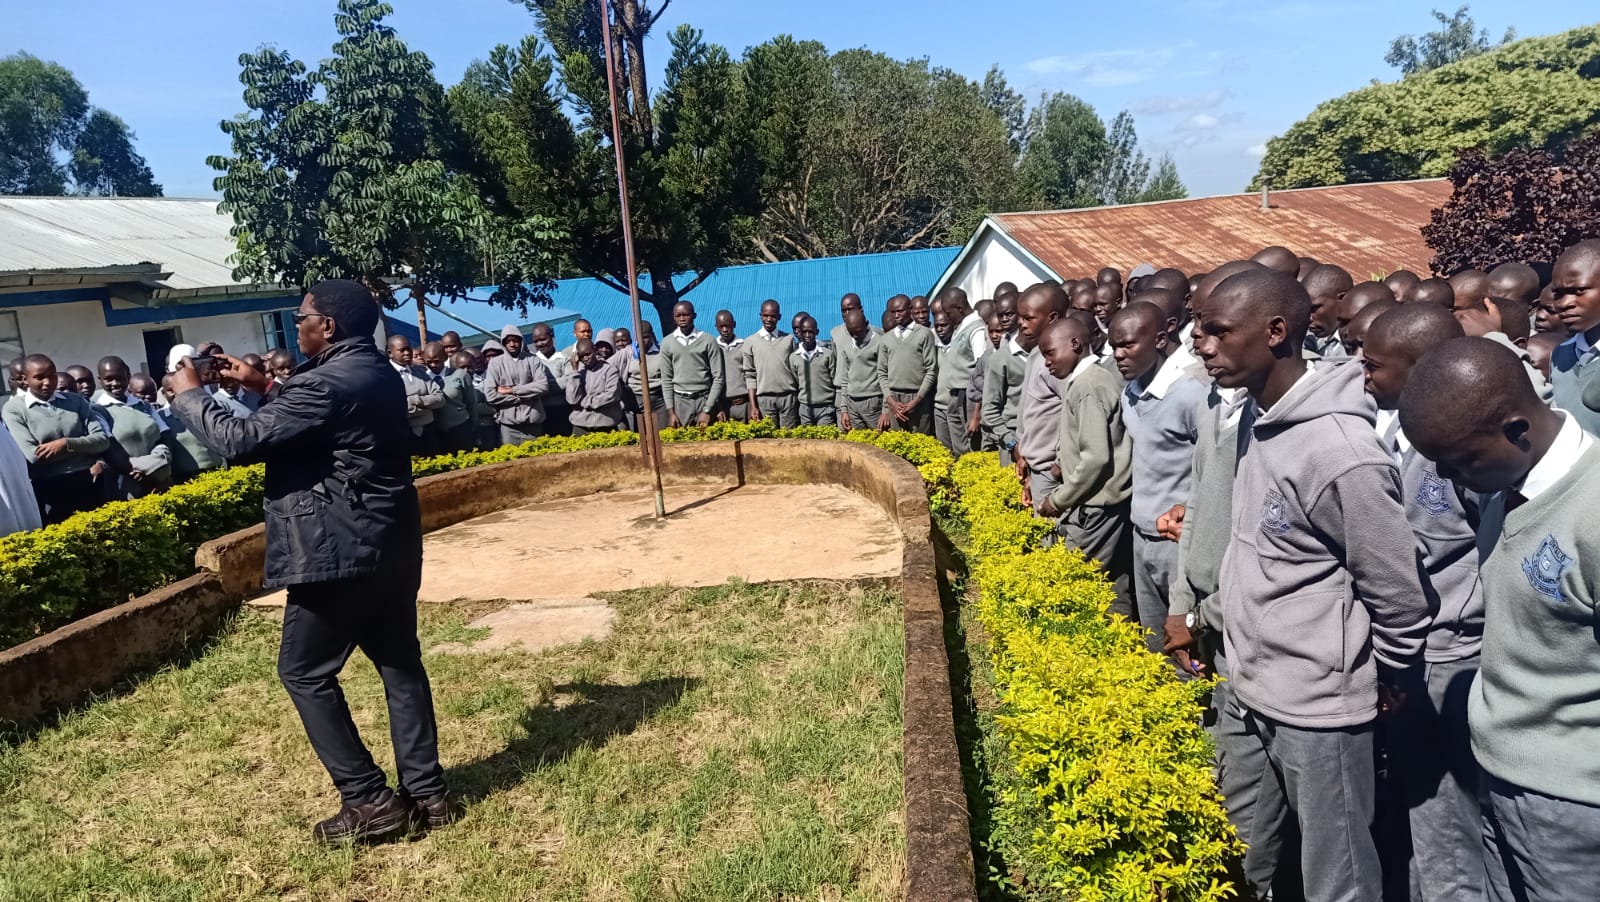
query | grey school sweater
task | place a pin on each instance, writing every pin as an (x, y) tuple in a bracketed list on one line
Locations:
[(766, 363), (595, 395), (733, 384), (1002, 391), (65, 415), (691, 367), (814, 374), (957, 362), (1093, 447), (1571, 371), (1038, 416), (1535, 707), (1321, 581), (134, 426), (907, 361), (1208, 513), (1162, 419), (838, 337), (529, 382), (858, 372), (460, 401)]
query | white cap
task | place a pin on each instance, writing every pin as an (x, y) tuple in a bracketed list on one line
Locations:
[(1143, 269), (177, 354)]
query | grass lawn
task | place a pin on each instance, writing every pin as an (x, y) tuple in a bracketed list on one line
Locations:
[(737, 742)]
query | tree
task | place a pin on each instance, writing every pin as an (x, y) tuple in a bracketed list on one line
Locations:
[(53, 142), (1008, 105), (1535, 93), (1165, 184), (1125, 170), (1457, 39), (1526, 206), (1067, 151), (861, 153), (358, 170), (693, 179)]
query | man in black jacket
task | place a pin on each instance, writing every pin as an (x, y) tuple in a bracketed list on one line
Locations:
[(344, 534)]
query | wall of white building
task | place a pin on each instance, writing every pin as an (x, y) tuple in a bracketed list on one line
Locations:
[(989, 262), (76, 333)]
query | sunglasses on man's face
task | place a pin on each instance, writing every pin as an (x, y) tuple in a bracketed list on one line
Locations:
[(300, 318)]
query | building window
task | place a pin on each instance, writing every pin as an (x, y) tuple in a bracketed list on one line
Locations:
[(10, 336), (158, 343), (278, 327)]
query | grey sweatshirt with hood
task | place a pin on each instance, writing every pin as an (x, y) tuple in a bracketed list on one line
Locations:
[(1321, 582)]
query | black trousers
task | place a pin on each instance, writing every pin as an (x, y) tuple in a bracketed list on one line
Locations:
[(322, 624), (59, 497)]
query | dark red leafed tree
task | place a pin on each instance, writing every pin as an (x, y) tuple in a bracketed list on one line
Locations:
[(1525, 206)]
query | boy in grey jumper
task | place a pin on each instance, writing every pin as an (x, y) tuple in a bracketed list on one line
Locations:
[(1430, 743), (1039, 413), (515, 385), (969, 340), (735, 404), (593, 390), (423, 396), (1002, 391), (458, 418), (766, 371), (691, 371), (841, 333), (1534, 709), (1160, 408), (137, 429), (1321, 593), (906, 371), (1094, 473), (558, 365), (1575, 293), (860, 393), (60, 437), (980, 368), (813, 368)]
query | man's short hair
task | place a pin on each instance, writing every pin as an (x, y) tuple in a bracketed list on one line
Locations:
[(349, 304)]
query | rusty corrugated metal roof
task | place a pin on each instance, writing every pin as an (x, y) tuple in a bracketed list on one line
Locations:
[(1366, 229)]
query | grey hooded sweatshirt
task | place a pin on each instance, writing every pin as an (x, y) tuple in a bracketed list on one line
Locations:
[(1321, 582)]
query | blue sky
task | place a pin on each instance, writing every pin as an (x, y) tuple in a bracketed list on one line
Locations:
[(1207, 80)]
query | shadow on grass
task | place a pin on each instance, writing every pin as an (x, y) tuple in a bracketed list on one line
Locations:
[(576, 716)]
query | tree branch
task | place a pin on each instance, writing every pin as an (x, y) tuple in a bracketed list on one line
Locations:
[(653, 19)]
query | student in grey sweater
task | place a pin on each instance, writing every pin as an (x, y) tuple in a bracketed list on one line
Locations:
[(458, 418), (1321, 593), (644, 359), (766, 371), (980, 368), (1094, 472), (424, 396), (59, 436), (1160, 408), (556, 410), (594, 392), (137, 430), (691, 371), (841, 333), (735, 404), (906, 372), (1429, 743), (969, 340), (813, 368), (1039, 413), (1002, 392), (860, 393), (515, 385), (1575, 291), (1534, 709)]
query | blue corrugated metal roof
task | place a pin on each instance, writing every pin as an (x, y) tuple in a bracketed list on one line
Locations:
[(814, 286)]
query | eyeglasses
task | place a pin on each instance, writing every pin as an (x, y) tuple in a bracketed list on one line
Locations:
[(300, 318)]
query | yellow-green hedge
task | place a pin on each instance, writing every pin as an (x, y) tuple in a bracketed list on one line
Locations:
[(1106, 790)]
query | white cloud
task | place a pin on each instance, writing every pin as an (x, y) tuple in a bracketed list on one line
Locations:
[(1108, 68), (1201, 122), (1169, 104), (1257, 150)]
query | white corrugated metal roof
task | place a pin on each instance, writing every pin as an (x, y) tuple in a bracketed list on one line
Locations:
[(189, 238)]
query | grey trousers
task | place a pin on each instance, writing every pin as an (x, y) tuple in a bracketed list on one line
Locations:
[(1431, 751), (688, 408), (1155, 565), (782, 410), (736, 408), (658, 407), (1327, 780), (1540, 848), (818, 415), (941, 423), (950, 424), (516, 435), (864, 412), (920, 418), (1104, 534)]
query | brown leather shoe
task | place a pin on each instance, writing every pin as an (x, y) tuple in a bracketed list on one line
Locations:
[(436, 811), (380, 819)]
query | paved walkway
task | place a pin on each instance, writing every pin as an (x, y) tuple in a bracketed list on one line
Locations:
[(547, 559)]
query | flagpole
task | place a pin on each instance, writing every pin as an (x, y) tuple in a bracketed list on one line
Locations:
[(648, 437)]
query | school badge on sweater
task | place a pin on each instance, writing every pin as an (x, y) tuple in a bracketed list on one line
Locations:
[(1274, 514), (1545, 566), (1433, 495)]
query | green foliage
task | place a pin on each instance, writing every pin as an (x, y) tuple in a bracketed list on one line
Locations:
[(1457, 39), (1105, 791), (1074, 159), (1165, 184), (359, 170), (53, 142), (1535, 93)]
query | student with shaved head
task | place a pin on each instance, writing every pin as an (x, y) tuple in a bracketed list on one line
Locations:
[(1470, 285), (968, 340), (691, 371), (1278, 258), (767, 373), (1433, 291), (60, 437), (1354, 334), (1327, 285), (1402, 282), (1514, 281), (1503, 321), (1429, 742), (1575, 291), (1321, 596), (1355, 300), (1039, 412), (1534, 710)]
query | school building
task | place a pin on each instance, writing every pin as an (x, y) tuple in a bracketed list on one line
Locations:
[(1368, 229)]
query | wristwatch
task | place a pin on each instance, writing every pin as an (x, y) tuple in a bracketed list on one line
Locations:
[(1191, 621)]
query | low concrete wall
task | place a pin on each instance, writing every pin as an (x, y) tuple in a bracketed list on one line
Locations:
[(93, 654)]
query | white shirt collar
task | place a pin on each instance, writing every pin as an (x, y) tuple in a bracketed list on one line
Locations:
[(33, 400), (737, 341), (105, 398), (1015, 348), (812, 354), (773, 335), (402, 370), (1570, 444), (1084, 362), (906, 329), (685, 339), (1170, 371)]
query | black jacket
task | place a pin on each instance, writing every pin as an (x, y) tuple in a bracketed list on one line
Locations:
[(339, 497)]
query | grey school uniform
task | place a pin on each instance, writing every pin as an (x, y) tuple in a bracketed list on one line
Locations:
[(980, 369), (458, 418), (1002, 395), (956, 364), (818, 395), (634, 369), (190, 456), (1535, 706), (1162, 418), (521, 412), (62, 485), (424, 396), (1573, 368), (906, 371), (1096, 457), (1039, 425), (140, 431), (1432, 747), (595, 395), (861, 394), (691, 375), (557, 420), (766, 369), (735, 391)]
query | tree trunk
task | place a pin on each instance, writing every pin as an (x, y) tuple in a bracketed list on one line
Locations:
[(631, 22), (663, 296)]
